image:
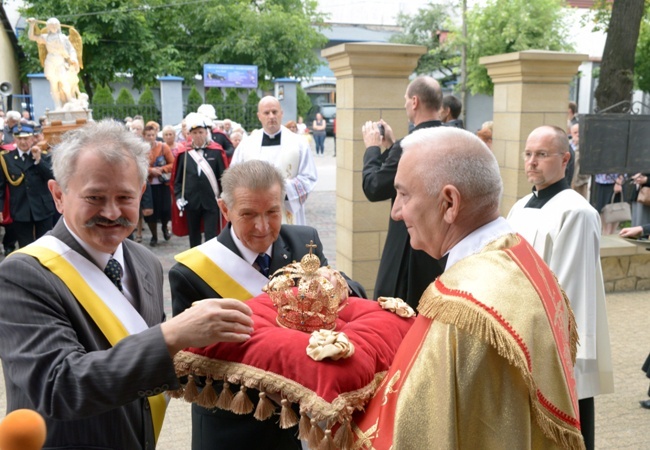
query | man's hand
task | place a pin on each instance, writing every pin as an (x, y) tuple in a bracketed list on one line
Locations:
[(181, 203), (36, 153), (207, 322), (631, 232), (371, 135), (328, 273), (155, 171)]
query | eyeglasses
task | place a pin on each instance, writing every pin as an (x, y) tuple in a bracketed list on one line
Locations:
[(540, 156)]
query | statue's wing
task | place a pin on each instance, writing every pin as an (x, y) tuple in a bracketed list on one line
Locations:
[(42, 49), (75, 40)]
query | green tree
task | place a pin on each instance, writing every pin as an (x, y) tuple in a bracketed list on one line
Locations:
[(505, 26), (642, 58), (103, 103), (234, 106), (194, 100), (424, 28), (126, 103), (304, 102), (147, 106), (250, 114), (214, 96), (152, 38)]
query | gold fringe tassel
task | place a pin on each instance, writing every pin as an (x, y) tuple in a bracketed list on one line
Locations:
[(208, 397), (225, 397), (563, 436), (288, 417), (304, 427), (265, 407), (344, 439), (316, 435), (191, 392), (241, 404), (327, 443), (176, 393)]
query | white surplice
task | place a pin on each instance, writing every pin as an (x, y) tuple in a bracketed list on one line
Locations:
[(565, 232), (294, 160)]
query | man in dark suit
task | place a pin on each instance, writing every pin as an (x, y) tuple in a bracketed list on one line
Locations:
[(196, 183), (81, 309), (252, 198), (26, 172), (403, 272)]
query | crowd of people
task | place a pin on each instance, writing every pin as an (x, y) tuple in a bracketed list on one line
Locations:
[(510, 345)]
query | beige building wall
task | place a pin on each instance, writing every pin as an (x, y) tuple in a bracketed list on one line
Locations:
[(371, 81), (9, 66), (531, 88)]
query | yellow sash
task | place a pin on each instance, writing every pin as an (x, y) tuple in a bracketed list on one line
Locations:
[(219, 278), (107, 322)]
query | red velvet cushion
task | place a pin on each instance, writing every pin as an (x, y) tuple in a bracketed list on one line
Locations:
[(375, 333)]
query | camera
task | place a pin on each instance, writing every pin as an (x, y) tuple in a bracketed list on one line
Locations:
[(382, 131)]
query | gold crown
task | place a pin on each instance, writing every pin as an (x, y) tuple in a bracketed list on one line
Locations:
[(305, 299)]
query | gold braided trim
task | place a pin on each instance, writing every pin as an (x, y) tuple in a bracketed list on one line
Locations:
[(340, 410), (15, 183), (574, 339), (472, 320)]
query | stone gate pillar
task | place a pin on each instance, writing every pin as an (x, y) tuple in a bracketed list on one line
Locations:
[(531, 88), (371, 80)]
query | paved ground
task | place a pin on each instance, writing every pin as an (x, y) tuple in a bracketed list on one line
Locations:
[(620, 422)]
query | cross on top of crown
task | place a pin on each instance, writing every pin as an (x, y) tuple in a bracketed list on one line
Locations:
[(311, 246)]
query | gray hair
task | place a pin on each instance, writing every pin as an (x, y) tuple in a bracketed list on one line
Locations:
[(106, 138), (13, 115), (457, 157), (254, 175)]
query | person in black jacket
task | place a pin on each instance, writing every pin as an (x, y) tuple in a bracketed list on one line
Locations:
[(403, 272)]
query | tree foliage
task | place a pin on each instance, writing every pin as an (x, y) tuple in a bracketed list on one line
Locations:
[(102, 102), (304, 102), (234, 105), (194, 100), (426, 28), (505, 26), (642, 57), (159, 37)]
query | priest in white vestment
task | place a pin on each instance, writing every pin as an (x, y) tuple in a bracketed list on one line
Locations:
[(565, 230), (285, 150)]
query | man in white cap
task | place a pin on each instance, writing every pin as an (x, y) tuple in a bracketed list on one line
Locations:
[(197, 180), (218, 136), (286, 151), (26, 172)]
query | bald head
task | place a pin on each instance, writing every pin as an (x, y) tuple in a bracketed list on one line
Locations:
[(269, 113), (448, 184), (546, 156), (429, 96)]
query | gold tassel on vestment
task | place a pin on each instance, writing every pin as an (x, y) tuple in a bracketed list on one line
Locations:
[(316, 435), (573, 328), (241, 404), (343, 439), (176, 393), (305, 426), (564, 437), (265, 407), (327, 443), (207, 398), (288, 417), (191, 392), (225, 397)]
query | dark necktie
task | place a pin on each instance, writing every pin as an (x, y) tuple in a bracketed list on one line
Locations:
[(114, 272), (263, 261)]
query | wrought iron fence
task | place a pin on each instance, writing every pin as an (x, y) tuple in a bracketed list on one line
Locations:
[(119, 112)]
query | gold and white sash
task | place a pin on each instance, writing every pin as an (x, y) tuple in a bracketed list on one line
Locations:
[(204, 167), (106, 305), (223, 270)]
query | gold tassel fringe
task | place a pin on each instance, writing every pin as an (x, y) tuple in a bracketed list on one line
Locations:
[(191, 392), (207, 398), (304, 427), (344, 439), (241, 404), (288, 417), (176, 393), (327, 443), (265, 407), (225, 397), (316, 435)]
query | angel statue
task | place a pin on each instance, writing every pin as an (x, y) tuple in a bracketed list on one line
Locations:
[(60, 57)]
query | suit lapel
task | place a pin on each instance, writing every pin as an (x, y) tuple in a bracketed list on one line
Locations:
[(143, 281), (281, 254)]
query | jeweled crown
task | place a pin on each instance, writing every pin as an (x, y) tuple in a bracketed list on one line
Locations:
[(305, 299)]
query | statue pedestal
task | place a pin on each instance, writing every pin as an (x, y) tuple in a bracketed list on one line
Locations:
[(69, 116), (56, 129)]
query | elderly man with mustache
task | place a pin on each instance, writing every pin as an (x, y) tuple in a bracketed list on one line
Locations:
[(83, 337)]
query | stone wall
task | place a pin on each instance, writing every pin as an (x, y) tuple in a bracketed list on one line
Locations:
[(626, 266)]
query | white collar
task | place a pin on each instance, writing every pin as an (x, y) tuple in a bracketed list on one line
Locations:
[(99, 258), (477, 240), (247, 254)]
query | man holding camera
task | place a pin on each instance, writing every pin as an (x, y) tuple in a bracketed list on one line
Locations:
[(403, 272)]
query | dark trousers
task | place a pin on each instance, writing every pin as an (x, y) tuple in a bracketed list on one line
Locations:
[(9, 240), (28, 232), (587, 421), (210, 224)]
